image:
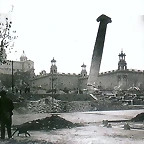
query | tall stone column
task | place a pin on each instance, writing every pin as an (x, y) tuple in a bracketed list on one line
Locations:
[(98, 49)]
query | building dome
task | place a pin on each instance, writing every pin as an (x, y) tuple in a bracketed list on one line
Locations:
[(23, 57)]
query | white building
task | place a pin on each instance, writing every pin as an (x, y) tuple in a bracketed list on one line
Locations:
[(22, 65)]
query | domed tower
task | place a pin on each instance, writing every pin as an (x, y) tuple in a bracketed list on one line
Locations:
[(23, 57), (83, 71), (53, 68), (122, 65)]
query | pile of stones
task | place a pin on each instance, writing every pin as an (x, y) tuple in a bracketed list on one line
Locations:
[(127, 126), (44, 105), (106, 124), (78, 106)]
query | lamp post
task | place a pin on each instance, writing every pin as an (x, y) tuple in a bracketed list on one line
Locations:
[(12, 78), (52, 89), (52, 93)]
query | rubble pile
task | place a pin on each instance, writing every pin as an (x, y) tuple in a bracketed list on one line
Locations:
[(78, 106), (47, 105), (44, 105), (48, 123), (103, 105), (138, 118)]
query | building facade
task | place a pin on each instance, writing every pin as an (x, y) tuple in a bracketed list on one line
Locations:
[(59, 80), (121, 78), (23, 65)]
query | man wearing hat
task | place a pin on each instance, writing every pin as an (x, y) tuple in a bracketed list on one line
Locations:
[(6, 108)]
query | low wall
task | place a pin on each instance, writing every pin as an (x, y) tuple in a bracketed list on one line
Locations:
[(19, 104), (62, 97), (73, 97), (65, 97)]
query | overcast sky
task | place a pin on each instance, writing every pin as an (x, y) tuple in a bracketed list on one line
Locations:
[(67, 29)]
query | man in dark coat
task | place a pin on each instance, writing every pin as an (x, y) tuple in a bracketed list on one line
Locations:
[(6, 108)]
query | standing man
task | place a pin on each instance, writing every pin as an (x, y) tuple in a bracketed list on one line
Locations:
[(6, 108)]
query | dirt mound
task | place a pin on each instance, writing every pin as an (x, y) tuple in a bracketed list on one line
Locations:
[(48, 123), (138, 118), (23, 141)]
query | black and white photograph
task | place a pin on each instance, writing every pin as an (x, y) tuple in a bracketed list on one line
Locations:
[(71, 71)]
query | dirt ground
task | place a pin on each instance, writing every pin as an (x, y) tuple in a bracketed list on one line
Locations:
[(92, 133)]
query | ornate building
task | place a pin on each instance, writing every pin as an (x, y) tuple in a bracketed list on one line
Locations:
[(23, 65), (60, 80), (122, 77)]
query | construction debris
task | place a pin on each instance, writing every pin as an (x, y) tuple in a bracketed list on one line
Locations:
[(44, 105), (109, 126), (127, 126), (105, 123)]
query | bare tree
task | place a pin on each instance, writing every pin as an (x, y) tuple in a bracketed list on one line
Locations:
[(7, 37)]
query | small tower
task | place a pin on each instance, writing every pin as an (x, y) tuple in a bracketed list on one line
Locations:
[(23, 57), (53, 68), (83, 72), (122, 65)]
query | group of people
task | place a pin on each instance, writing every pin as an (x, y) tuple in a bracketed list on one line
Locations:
[(6, 112), (26, 90)]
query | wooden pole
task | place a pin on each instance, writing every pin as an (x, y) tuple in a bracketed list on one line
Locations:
[(12, 79), (52, 93)]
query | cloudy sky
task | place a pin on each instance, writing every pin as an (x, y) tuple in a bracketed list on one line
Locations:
[(67, 29)]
